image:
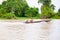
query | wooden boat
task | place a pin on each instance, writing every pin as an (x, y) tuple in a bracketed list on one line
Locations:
[(46, 20), (38, 21)]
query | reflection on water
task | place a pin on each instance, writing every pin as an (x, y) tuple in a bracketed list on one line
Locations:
[(32, 31)]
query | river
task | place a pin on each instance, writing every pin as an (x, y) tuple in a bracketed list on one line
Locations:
[(32, 31)]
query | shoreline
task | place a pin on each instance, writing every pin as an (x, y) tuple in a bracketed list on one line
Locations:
[(26, 19)]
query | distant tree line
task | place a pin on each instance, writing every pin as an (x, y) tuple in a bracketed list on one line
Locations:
[(16, 8), (19, 8)]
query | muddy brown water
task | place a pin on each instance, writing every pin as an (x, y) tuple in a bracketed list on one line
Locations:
[(32, 31)]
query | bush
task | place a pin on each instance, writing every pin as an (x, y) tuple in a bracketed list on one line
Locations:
[(9, 16), (31, 12), (56, 16), (47, 12)]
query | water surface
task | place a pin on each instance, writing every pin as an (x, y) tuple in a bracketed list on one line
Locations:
[(32, 31)]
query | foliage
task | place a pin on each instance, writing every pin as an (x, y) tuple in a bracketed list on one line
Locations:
[(19, 8), (57, 15), (52, 6), (47, 9), (46, 12), (59, 11), (45, 2), (16, 8), (31, 12), (9, 16)]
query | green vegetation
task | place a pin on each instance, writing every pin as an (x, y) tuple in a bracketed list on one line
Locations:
[(47, 10), (13, 9), (19, 9)]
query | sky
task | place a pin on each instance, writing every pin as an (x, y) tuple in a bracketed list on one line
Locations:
[(34, 3), (57, 4)]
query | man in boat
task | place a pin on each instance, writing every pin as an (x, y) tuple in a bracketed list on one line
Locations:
[(29, 21)]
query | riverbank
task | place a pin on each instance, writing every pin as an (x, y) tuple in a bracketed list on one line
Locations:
[(14, 20)]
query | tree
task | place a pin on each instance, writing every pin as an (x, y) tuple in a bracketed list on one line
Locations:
[(18, 7), (46, 9), (52, 6), (58, 10), (45, 2), (46, 12), (31, 12)]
